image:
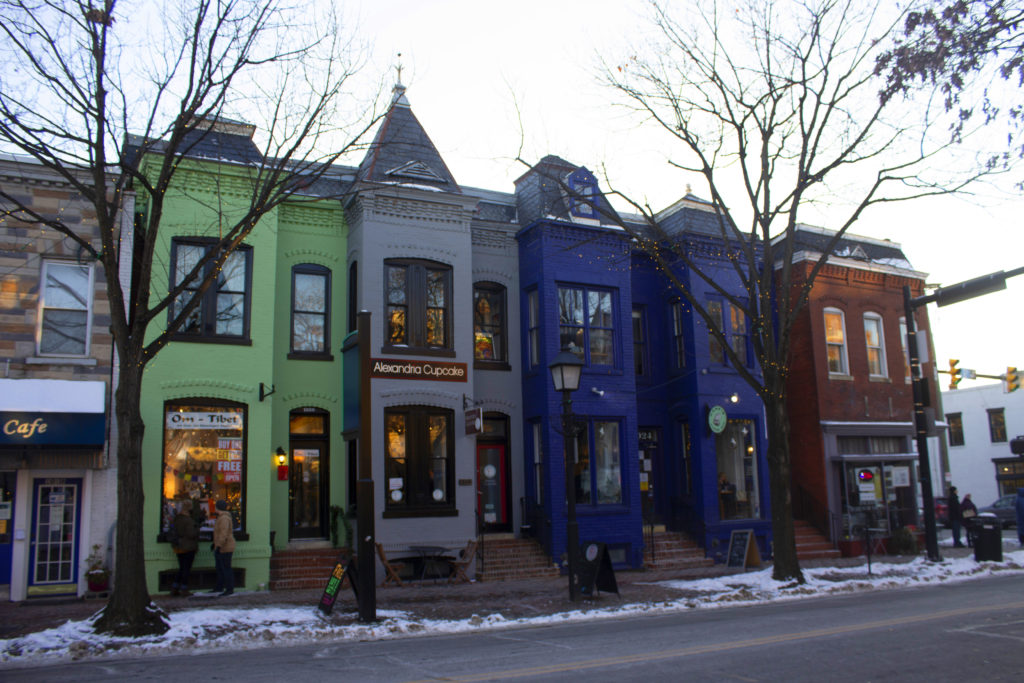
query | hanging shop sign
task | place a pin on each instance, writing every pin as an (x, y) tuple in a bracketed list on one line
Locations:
[(441, 371), (717, 419), (55, 429)]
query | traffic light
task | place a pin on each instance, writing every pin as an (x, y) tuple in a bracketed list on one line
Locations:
[(1012, 380), (954, 373)]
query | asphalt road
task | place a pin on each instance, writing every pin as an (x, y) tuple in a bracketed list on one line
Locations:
[(962, 631)]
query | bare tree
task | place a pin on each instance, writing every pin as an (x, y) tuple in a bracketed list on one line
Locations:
[(112, 98), (776, 108)]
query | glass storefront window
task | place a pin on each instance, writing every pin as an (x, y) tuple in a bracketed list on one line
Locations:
[(204, 460), (736, 455)]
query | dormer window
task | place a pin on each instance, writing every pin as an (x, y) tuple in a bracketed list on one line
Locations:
[(583, 197)]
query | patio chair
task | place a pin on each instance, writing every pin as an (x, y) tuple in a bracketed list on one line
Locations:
[(459, 566), (390, 568)]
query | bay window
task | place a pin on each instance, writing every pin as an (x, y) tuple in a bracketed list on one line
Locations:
[(417, 297), (586, 324), (419, 461)]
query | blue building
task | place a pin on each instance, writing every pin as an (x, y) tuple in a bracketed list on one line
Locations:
[(671, 435), (702, 430)]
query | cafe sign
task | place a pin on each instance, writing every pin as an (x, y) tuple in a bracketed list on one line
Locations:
[(54, 429), (441, 371)]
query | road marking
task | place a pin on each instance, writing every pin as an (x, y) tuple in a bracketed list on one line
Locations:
[(721, 647)]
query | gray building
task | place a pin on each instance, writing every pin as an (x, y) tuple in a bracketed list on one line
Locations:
[(436, 266)]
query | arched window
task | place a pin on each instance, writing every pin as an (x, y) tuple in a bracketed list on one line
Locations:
[(835, 342), (311, 305), (489, 327)]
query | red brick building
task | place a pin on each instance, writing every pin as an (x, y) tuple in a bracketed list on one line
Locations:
[(854, 458)]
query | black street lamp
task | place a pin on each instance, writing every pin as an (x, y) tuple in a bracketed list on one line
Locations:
[(565, 373)]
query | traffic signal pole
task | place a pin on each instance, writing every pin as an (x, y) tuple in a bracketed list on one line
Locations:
[(921, 431), (943, 296)]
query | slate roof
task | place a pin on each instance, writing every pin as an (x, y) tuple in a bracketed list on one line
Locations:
[(402, 152), (541, 192), (855, 247), (691, 215)]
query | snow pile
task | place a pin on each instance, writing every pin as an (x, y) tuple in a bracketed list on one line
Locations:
[(203, 629)]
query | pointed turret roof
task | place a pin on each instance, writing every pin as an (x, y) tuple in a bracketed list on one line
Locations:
[(402, 153)]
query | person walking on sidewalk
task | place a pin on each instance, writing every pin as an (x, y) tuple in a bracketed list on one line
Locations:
[(223, 546), (956, 516), (968, 512), (185, 548)]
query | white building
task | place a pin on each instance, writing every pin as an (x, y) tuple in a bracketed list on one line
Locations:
[(982, 420)]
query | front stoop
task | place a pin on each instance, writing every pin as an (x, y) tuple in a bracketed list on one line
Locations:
[(505, 557), (811, 544), (298, 568), (674, 551)]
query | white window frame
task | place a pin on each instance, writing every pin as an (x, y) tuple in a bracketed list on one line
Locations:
[(903, 346), (46, 265), (843, 356), (882, 366)]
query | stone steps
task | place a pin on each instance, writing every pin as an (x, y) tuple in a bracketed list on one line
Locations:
[(301, 568), (506, 558), (811, 544), (673, 551)]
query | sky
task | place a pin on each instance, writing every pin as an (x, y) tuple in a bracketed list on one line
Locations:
[(486, 79), (208, 629)]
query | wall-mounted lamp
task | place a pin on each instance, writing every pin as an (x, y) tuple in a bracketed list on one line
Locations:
[(735, 398), (281, 458)]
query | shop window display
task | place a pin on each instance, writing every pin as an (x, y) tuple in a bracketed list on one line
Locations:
[(736, 455), (419, 460), (204, 460)]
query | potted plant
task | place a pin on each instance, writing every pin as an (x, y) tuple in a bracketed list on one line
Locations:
[(97, 573)]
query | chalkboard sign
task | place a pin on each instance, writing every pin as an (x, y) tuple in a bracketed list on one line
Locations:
[(743, 549), (595, 570), (338, 574)]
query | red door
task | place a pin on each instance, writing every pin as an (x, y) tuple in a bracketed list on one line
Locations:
[(492, 486)]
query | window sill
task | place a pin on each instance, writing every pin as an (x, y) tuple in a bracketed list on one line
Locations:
[(498, 365), (415, 351), (879, 378), (420, 512), (840, 376), (298, 355), (60, 360), (196, 339)]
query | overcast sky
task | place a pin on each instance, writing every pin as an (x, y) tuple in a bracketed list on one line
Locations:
[(474, 69)]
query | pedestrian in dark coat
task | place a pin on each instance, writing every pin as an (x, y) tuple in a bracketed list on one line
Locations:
[(186, 547), (969, 513), (956, 516)]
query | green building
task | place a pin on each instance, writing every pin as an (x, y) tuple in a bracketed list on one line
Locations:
[(245, 403)]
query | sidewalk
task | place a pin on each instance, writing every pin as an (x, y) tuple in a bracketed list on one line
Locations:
[(425, 601)]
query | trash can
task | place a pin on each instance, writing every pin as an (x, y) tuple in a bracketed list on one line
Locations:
[(988, 540)]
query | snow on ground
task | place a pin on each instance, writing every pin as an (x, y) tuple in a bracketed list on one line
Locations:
[(208, 629)]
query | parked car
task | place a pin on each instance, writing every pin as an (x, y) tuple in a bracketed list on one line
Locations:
[(941, 511), (1004, 508)]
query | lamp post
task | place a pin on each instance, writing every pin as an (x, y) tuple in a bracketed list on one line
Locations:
[(565, 373)]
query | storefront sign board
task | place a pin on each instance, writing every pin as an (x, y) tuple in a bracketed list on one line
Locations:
[(438, 371), (53, 429), (342, 568), (743, 550)]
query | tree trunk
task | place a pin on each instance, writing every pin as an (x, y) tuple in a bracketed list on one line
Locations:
[(129, 612), (786, 564)]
